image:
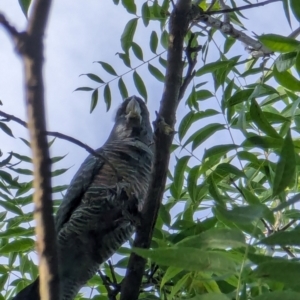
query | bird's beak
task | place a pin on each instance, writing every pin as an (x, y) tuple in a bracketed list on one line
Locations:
[(133, 110)]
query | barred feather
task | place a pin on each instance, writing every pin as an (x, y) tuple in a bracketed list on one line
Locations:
[(89, 225)]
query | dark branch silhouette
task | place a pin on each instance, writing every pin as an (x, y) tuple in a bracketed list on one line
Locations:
[(30, 47), (179, 24), (248, 6), (62, 136)]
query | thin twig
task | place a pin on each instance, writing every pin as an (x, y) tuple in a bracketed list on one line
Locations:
[(228, 29), (288, 251), (192, 61), (269, 230), (62, 136), (288, 225), (106, 282), (112, 271), (295, 33), (12, 31), (226, 15), (228, 10)]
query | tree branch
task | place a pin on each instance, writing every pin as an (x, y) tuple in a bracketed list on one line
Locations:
[(228, 10), (30, 47), (257, 48), (62, 136), (178, 26), (12, 31)]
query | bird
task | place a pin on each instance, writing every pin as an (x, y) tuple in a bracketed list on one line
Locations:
[(102, 205)]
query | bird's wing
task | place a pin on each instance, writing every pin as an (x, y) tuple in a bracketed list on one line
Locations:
[(78, 187)]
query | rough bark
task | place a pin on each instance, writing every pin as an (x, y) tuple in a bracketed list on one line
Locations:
[(32, 55), (179, 21), (29, 45)]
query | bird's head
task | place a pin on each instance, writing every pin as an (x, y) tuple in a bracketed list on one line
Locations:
[(132, 121)]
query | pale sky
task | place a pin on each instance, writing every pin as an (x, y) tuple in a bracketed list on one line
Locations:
[(79, 33)]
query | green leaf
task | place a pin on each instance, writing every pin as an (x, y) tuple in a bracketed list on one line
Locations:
[(5, 161), (125, 58), (6, 129), (179, 284), (59, 172), (242, 214), (285, 61), (153, 42), (224, 169), (22, 157), (156, 73), (263, 142), (94, 100), (21, 245), (190, 259), (279, 43), (10, 206), (93, 77), (164, 215), (122, 88), (285, 4), (261, 121), (291, 201), (107, 97), (146, 14), (287, 272), (3, 215), (7, 177), (203, 95), (137, 50), (217, 238), (283, 238), (295, 9), (22, 171), (25, 187), (17, 231), (203, 134), (59, 188), (192, 117), (25, 142), (128, 34), (285, 169), (210, 67), (129, 6), (229, 42), (25, 4), (140, 86), (57, 158), (169, 274), (164, 39), (278, 295), (287, 80), (3, 281), (297, 64), (180, 168), (239, 96), (219, 150), (108, 68), (85, 89)]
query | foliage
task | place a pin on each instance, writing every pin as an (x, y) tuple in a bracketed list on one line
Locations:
[(228, 226)]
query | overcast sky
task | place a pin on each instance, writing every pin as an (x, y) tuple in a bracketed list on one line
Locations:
[(79, 33)]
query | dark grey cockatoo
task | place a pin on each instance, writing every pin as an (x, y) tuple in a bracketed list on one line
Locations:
[(101, 205)]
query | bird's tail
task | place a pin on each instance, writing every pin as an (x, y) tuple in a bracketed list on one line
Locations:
[(31, 292)]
